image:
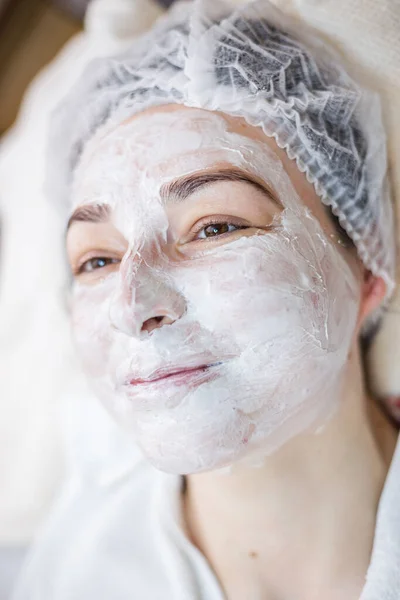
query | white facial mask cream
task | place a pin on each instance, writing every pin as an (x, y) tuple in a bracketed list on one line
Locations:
[(256, 330)]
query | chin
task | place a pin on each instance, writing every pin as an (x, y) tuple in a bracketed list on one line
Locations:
[(195, 455)]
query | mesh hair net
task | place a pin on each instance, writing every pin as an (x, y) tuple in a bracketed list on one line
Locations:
[(256, 63)]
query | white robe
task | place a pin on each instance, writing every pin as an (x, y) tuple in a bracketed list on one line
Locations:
[(117, 533)]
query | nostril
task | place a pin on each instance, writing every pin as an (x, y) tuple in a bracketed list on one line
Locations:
[(156, 322)]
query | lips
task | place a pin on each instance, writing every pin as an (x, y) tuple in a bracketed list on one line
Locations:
[(173, 375)]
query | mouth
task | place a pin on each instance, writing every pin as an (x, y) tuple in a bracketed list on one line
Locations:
[(177, 376)]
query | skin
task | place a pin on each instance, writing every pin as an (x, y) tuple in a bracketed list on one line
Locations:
[(301, 525)]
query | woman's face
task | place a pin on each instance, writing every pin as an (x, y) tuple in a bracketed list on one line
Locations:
[(214, 305)]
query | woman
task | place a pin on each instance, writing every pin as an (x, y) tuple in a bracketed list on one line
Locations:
[(218, 307)]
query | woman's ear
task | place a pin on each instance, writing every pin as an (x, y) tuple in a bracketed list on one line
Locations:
[(373, 292)]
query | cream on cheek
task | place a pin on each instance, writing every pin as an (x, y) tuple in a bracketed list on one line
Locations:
[(265, 314)]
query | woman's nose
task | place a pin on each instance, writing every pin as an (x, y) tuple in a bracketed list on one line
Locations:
[(145, 301)]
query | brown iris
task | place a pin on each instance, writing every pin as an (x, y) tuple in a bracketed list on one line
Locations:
[(216, 229)]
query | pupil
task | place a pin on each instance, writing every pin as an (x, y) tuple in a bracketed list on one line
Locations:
[(216, 229)]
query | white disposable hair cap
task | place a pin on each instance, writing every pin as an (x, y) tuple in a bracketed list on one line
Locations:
[(257, 63)]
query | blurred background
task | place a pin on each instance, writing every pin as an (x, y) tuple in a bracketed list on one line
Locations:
[(31, 34)]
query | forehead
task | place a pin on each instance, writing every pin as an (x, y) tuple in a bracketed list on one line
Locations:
[(166, 142), (138, 156)]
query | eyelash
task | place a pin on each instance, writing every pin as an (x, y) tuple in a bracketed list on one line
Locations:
[(107, 260), (217, 221)]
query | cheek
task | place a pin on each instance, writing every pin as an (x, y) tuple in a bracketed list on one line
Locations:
[(91, 325), (259, 289)]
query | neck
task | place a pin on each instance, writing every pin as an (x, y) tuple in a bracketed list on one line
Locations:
[(302, 524)]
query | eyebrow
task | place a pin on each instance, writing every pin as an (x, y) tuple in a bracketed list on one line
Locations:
[(180, 189), (90, 213)]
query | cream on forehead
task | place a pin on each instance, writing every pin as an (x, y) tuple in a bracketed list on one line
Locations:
[(154, 148)]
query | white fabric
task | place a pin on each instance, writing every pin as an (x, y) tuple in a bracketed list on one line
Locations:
[(383, 579), (35, 354), (125, 540), (118, 542), (11, 560)]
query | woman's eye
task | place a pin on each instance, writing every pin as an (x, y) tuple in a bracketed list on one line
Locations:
[(97, 263), (216, 229)]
